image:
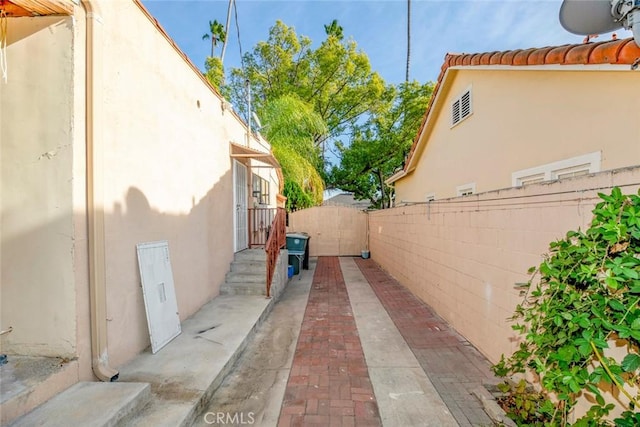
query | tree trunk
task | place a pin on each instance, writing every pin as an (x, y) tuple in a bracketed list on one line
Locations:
[(382, 195)]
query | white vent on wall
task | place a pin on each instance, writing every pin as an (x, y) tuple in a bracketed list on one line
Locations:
[(466, 189), (461, 107), (455, 112)]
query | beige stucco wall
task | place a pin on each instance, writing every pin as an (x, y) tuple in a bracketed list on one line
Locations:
[(163, 173), (37, 154), (168, 173), (522, 119), (463, 256), (333, 230)]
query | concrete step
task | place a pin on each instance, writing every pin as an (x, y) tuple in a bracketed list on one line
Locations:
[(246, 276), (251, 255), (90, 404), (252, 265), (26, 382), (244, 284), (244, 288)]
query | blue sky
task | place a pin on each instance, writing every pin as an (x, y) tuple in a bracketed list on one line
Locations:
[(379, 28)]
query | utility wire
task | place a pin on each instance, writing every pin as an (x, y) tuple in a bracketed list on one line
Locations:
[(468, 199), (235, 11)]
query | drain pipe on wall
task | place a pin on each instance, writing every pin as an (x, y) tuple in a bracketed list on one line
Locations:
[(95, 197)]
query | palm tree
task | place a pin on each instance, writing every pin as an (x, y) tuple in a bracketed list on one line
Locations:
[(406, 79), (216, 33), (334, 29)]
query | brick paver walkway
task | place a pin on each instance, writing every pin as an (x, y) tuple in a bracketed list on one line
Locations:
[(453, 365), (329, 382)]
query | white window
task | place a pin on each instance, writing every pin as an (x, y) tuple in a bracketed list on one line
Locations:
[(575, 166), (260, 189), (430, 197), (461, 107), (466, 189)]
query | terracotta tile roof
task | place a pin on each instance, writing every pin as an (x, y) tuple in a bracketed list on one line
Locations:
[(621, 52)]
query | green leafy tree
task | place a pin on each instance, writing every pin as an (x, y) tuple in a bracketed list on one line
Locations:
[(380, 145), (214, 71), (290, 125), (335, 79)]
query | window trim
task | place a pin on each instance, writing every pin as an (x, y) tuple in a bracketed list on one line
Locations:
[(458, 100), (591, 161), (461, 189)]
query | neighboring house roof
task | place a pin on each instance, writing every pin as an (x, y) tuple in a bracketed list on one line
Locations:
[(615, 52), (346, 199)]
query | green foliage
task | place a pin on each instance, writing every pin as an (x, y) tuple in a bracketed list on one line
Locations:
[(335, 79), (299, 171), (296, 197), (289, 121), (214, 71), (586, 296), (525, 406), (334, 29), (380, 145), (306, 97), (290, 124), (310, 97)]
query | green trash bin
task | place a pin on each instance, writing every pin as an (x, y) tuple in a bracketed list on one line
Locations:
[(296, 245)]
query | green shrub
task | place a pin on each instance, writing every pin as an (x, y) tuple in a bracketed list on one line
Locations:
[(582, 296)]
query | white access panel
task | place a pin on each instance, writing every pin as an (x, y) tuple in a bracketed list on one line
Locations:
[(159, 293)]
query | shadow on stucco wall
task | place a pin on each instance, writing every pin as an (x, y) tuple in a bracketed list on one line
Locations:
[(45, 290)]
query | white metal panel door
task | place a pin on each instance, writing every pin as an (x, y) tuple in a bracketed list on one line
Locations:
[(240, 203), (159, 293)]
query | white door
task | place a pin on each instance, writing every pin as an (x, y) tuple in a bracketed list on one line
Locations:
[(240, 204)]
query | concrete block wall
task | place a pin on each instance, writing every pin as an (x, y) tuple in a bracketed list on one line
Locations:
[(463, 256)]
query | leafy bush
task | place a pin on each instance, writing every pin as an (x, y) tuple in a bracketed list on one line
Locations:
[(586, 295), (296, 197)]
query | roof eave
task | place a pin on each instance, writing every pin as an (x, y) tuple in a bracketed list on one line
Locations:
[(439, 92), (15, 8), (608, 55), (395, 177)]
